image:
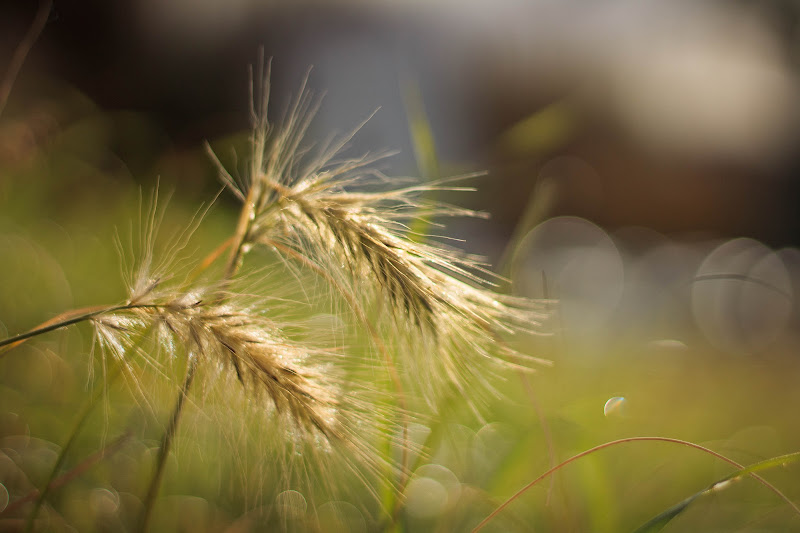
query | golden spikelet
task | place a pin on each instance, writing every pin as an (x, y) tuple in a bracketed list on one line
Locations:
[(324, 208), (222, 336), (311, 398)]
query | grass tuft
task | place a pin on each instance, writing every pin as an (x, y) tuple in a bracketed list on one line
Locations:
[(324, 207)]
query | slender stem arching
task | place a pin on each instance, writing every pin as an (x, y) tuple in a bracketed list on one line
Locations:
[(58, 482), (209, 260), (380, 345), (67, 319), (79, 422), (240, 238), (166, 444), (617, 442), (237, 250)]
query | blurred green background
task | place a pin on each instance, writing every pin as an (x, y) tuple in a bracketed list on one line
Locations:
[(641, 170)]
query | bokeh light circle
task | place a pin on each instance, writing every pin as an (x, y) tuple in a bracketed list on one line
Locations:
[(576, 262), (742, 296)]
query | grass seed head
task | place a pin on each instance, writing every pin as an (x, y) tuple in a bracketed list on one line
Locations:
[(317, 413), (324, 207)]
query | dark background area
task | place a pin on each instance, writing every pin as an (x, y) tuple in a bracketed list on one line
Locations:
[(664, 131), (479, 73)]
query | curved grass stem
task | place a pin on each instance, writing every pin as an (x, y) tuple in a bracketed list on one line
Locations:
[(65, 319), (166, 444), (603, 446), (237, 250), (80, 421), (240, 238), (210, 259), (376, 338), (55, 483)]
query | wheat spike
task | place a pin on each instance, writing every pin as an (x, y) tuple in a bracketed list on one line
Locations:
[(324, 208)]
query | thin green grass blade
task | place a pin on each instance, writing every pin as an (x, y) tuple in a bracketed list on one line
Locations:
[(80, 421), (658, 522), (424, 147), (166, 445), (389, 498), (543, 131), (396, 522), (781, 460)]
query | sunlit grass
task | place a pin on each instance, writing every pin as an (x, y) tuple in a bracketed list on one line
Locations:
[(58, 254)]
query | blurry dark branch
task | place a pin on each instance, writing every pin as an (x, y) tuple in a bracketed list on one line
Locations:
[(68, 476), (22, 51)]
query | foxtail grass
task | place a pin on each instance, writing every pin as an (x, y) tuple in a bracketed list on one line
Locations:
[(426, 306), (663, 518), (351, 223)]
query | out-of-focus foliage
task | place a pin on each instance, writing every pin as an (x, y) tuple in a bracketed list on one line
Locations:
[(691, 340), (692, 337)]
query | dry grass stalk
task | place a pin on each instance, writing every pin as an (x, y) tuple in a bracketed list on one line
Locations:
[(309, 397), (437, 298), (224, 337), (436, 307)]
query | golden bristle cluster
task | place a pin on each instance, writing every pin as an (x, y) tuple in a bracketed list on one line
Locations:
[(429, 310), (224, 336), (307, 397), (304, 393), (316, 207)]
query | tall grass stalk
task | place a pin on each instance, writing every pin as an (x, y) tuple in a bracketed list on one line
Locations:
[(618, 442), (433, 299), (424, 306), (80, 421), (166, 444), (56, 482)]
